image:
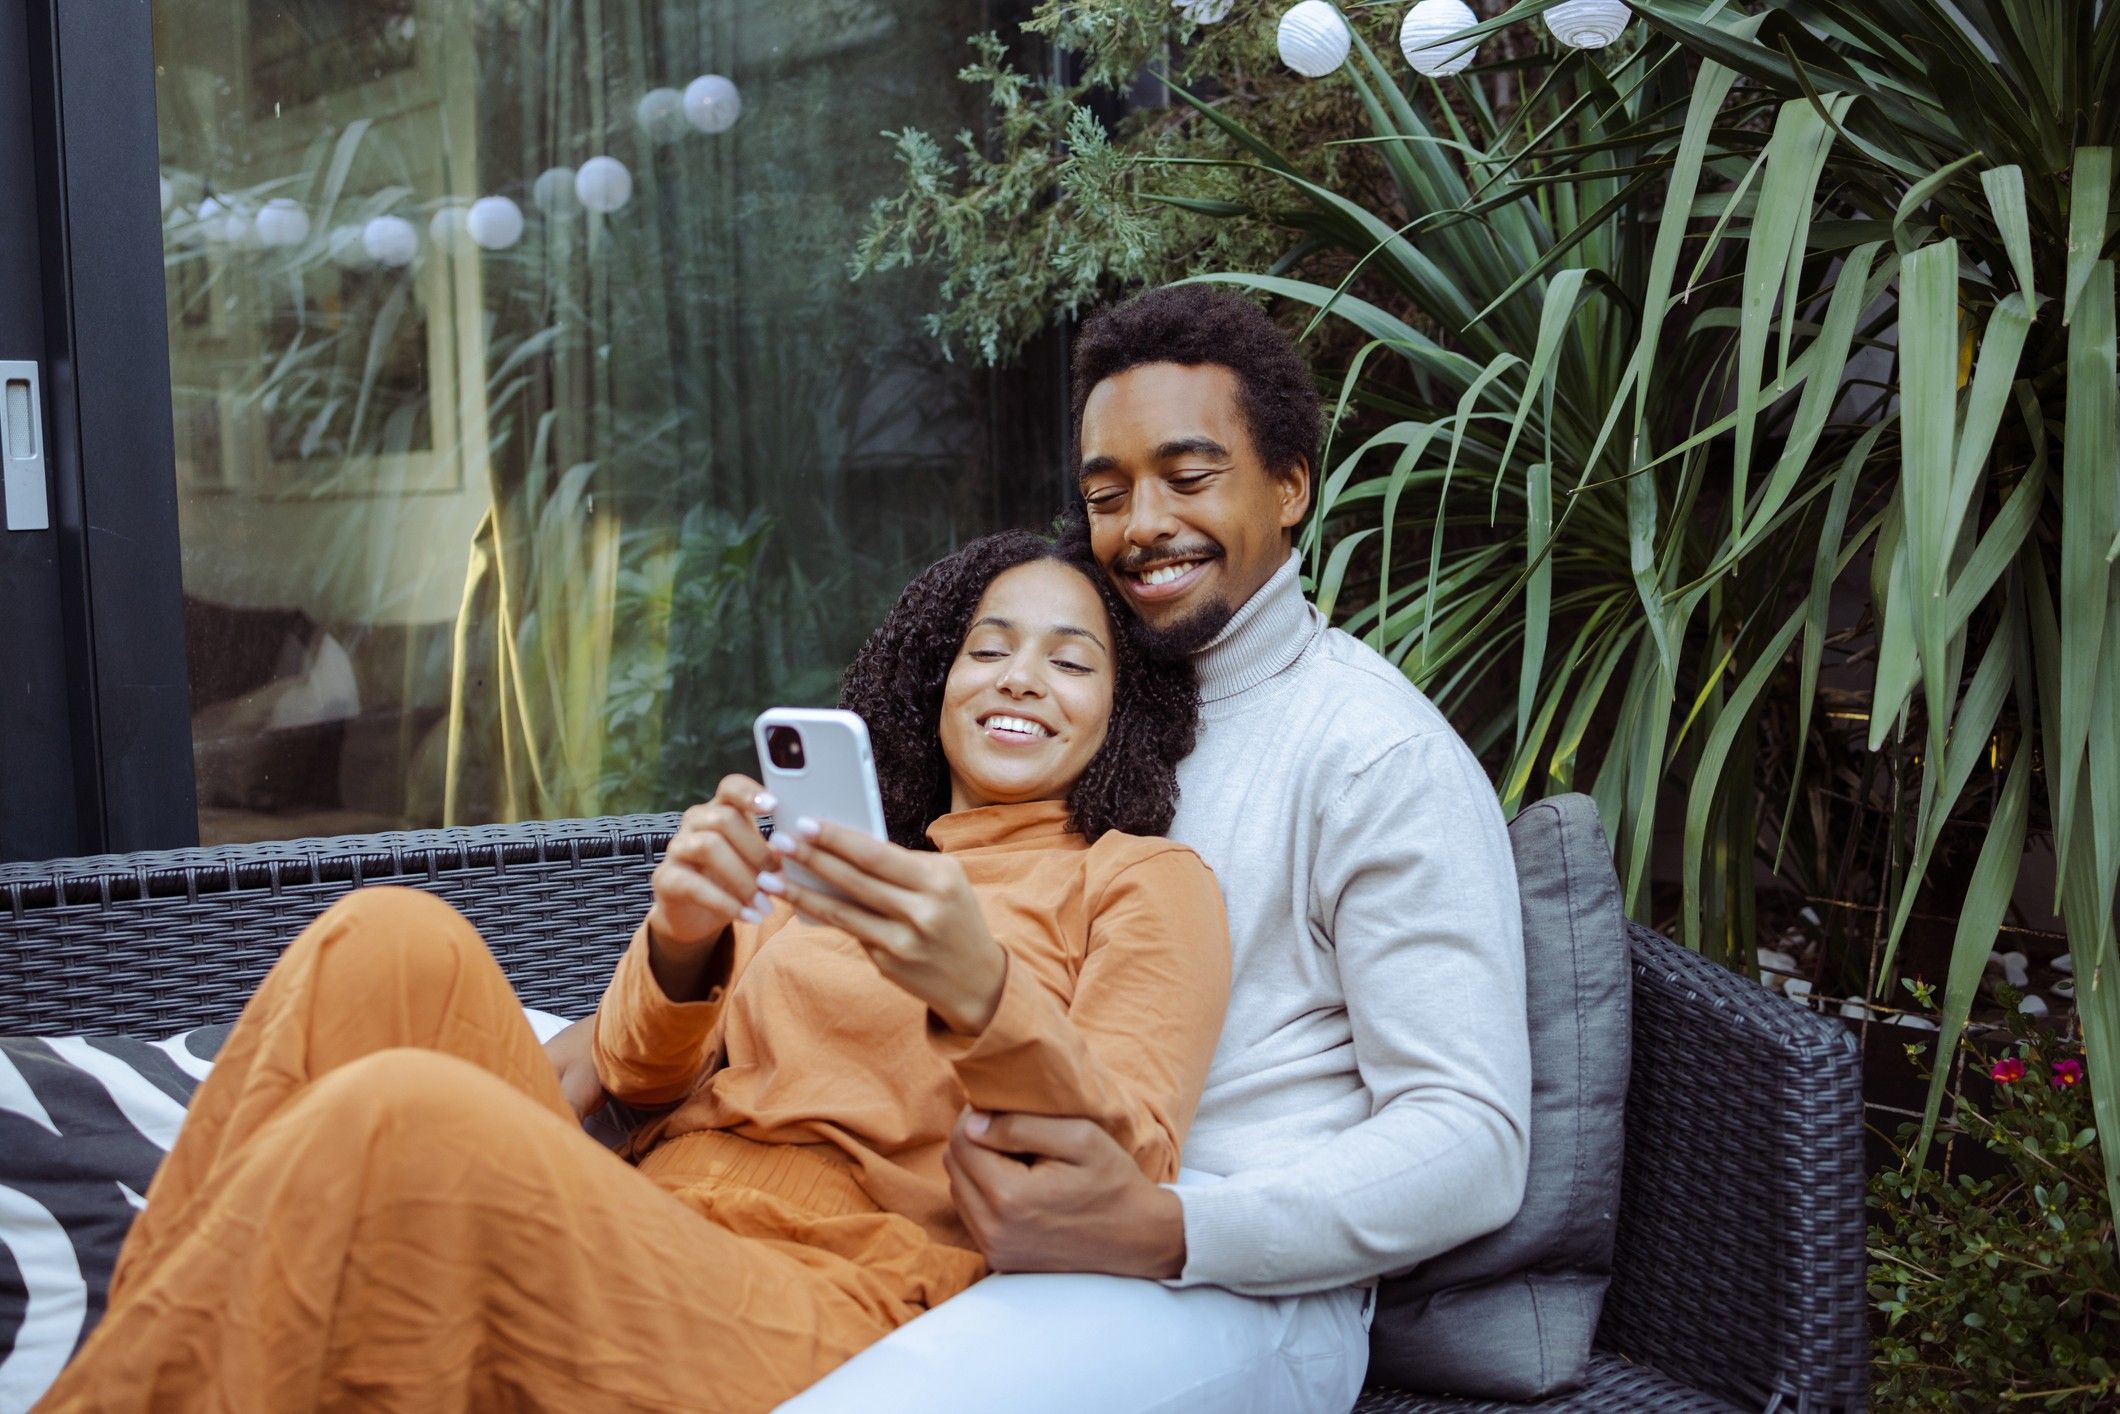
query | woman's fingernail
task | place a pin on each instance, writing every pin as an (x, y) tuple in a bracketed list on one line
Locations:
[(806, 827), (786, 844), (764, 803), (750, 915), (771, 883), (762, 904), (975, 1124)]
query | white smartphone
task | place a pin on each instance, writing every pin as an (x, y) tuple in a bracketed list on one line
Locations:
[(816, 763)]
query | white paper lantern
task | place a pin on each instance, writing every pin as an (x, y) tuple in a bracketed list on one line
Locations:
[(712, 104), (1313, 39), (661, 114), (603, 184), (1588, 24), (169, 195), (282, 222), (1425, 30), (494, 222), (345, 247), (390, 240), (553, 191), (445, 228), (1204, 12), (223, 222)]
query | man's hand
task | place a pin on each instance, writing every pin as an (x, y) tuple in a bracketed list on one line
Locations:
[(1044, 1194), (572, 1053)]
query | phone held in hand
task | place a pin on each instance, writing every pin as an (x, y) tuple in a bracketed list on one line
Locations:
[(816, 763)]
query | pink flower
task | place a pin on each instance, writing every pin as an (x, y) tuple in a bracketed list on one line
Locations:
[(2004, 1072), (2067, 1073)]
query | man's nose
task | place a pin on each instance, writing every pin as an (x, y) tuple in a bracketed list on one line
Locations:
[(1149, 520)]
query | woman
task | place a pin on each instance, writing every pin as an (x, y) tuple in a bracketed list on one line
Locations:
[(382, 1197)]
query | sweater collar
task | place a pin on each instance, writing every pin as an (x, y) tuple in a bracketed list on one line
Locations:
[(1034, 824), (1267, 634)]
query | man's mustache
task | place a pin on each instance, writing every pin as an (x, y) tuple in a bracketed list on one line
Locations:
[(1135, 561)]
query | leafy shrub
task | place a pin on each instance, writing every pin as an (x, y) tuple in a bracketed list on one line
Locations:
[(1997, 1284)]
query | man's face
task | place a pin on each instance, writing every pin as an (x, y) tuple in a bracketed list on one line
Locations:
[(1183, 515)]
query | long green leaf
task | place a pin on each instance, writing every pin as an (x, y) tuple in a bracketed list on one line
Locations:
[(2089, 207), (2005, 194), (1987, 901), (2090, 452), (1928, 376)]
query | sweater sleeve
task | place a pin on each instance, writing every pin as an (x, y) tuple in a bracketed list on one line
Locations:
[(1132, 1050), (1415, 887), (649, 1049)]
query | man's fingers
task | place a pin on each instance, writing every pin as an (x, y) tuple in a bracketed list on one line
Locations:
[(1068, 1139)]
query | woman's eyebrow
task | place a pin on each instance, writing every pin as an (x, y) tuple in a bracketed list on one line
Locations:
[(1010, 626)]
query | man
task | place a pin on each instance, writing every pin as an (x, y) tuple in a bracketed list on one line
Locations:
[(1367, 1104)]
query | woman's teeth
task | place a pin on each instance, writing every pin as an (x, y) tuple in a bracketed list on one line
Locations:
[(1164, 574), (1020, 725)]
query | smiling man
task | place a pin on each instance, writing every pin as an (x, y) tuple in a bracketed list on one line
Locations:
[(1366, 1109)]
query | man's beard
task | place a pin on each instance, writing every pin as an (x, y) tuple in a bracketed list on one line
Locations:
[(1185, 635)]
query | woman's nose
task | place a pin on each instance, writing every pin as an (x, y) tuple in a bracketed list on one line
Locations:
[(1017, 680)]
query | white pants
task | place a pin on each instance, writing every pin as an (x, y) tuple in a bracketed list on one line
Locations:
[(1079, 1343)]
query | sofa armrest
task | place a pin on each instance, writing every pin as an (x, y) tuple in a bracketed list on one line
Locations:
[(1741, 1252)]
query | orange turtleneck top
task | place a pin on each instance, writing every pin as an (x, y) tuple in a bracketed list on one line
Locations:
[(1118, 973)]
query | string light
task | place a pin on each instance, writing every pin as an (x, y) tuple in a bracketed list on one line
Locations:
[(712, 104), (494, 223), (1313, 39), (603, 184), (1425, 30)]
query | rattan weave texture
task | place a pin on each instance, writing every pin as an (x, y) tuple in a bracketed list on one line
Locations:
[(158, 941), (1739, 1270), (1614, 1385)]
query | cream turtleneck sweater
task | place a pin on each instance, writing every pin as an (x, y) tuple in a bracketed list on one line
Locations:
[(1369, 1098)]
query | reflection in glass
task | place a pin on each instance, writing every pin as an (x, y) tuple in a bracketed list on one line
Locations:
[(530, 437)]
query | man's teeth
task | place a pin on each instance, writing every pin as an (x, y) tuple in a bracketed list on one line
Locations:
[(1164, 574), (1024, 725)]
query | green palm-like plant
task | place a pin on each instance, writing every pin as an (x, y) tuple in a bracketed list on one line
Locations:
[(1622, 329), (1956, 159)]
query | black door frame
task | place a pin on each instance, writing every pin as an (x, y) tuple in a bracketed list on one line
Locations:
[(111, 566)]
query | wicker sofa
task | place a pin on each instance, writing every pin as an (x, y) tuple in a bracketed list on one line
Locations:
[(1739, 1274)]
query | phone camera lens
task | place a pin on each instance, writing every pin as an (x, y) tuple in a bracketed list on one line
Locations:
[(784, 747)]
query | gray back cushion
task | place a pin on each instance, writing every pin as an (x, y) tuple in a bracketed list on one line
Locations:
[(1510, 1315)]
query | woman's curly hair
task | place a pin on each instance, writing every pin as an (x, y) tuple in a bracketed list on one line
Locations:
[(895, 683)]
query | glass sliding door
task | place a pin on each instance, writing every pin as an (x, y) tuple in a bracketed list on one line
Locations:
[(530, 436)]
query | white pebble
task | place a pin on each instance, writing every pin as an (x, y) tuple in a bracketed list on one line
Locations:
[(2033, 1005)]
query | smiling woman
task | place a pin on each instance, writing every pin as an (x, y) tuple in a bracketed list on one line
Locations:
[(1008, 670), (1026, 703)]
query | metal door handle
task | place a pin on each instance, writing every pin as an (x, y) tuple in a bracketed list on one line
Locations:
[(22, 446)]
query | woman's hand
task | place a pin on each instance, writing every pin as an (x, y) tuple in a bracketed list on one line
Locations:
[(708, 878), (573, 1055), (914, 913)]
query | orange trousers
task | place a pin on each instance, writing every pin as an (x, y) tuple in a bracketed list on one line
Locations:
[(381, 1201)]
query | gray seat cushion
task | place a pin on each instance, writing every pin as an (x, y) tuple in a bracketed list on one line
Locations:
[(1511, 1315)]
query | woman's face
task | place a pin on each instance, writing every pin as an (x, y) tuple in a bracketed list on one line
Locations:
[(1029, 697)]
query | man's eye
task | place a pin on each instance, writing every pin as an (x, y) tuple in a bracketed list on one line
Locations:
[(1103, 501), (1190, 480)]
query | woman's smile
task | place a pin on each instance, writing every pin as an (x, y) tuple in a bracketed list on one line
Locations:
[(1027, 701)]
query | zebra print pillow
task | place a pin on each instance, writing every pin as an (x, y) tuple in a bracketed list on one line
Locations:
[(84, 1122)]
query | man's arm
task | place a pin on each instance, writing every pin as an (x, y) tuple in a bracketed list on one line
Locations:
[(1419, 891), (1416, 887)]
